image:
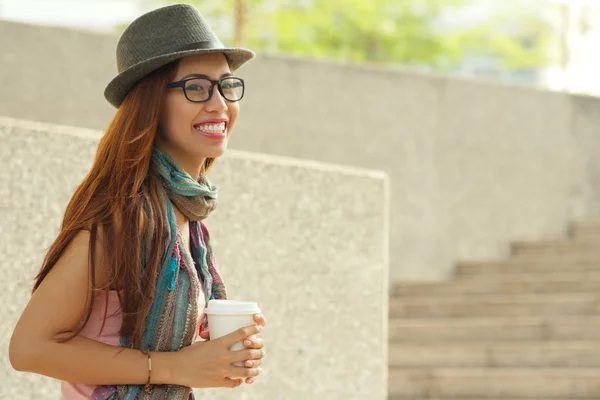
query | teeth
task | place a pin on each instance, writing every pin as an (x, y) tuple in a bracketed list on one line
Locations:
[(211, 128)]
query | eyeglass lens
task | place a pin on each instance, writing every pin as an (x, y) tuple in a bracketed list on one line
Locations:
[(199, 89)]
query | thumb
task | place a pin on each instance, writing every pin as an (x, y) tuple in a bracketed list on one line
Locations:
[(205, 335)]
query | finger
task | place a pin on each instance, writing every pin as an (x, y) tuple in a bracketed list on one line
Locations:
[(232, 383), (254, 343), (260, 319), (250, 381), (240, 335), (243, 355), (205, 335), (243, 372), (252, 363)]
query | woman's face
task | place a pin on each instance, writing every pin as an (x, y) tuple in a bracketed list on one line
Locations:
[(191, 132)]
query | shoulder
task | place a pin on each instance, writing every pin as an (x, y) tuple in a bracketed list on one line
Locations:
[(83, 243), (60, 301)]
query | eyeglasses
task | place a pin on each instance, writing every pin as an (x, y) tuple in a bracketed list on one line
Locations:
[(199, 90)]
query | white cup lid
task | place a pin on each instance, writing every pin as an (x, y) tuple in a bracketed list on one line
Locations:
[(230, 307)]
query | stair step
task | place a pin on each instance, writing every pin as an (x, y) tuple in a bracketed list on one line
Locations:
[(585, 229), (485, 383), (493, 329), (464, 398), (565, 258), (546, 265), (575, 248), (496, 305), (503, 354), (582, 282), (527, 327)]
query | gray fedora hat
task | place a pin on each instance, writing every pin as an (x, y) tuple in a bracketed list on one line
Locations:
[(159, 37)]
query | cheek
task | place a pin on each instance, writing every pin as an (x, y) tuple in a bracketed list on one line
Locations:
[(181, 116), (178, 119), (234, 110)]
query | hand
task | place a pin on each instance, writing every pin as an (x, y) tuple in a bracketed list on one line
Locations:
[(249, 343), (255, 344), (209, 364)]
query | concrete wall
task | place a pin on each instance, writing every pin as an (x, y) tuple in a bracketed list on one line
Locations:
[(473, 165), (313, 254)]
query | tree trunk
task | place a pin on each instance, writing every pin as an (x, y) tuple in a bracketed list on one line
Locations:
[(240, 10)]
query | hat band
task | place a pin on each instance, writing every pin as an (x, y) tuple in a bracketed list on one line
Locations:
[(207, 44)]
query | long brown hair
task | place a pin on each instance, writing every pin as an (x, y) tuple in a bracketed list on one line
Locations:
[(113, 196)]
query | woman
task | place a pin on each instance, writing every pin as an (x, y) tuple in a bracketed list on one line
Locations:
[(119, 302)]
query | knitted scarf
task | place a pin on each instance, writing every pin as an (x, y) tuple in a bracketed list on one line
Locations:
[(171, 323)]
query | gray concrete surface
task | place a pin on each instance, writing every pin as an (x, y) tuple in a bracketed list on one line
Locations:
[(314, 254), (473, 165)]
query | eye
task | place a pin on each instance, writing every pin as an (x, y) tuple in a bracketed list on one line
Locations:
[(232, 84), (198, 85)]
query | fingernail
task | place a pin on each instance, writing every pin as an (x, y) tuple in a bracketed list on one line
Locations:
[(251, 380), (249, 363), (259, 370), (247, 343)]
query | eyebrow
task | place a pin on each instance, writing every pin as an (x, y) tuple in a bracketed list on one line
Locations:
[(226, 74)]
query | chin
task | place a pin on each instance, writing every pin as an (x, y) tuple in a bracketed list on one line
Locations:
[(216, 153), (212, 154)]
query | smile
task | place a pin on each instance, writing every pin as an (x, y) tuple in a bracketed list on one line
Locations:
[(214, 129)]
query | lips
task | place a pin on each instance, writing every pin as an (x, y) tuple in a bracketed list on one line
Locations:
[(211, 128), (213, 121), (212, 131)]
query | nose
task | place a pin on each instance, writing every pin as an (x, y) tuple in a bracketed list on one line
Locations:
[(216, 102)]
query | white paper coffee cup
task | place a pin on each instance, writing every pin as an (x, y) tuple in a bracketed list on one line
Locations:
[(226, 316)]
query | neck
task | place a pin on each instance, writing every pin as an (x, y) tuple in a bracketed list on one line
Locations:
[(192, 166), (194, 199)]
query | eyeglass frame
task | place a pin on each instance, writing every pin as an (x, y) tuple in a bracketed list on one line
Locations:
[(213, 83)]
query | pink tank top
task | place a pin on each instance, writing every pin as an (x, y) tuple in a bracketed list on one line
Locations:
[(109, 335)]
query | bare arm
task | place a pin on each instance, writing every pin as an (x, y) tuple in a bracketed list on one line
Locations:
[(58, 305)]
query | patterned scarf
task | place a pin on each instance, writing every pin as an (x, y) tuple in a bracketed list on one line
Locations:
[(171, 323)]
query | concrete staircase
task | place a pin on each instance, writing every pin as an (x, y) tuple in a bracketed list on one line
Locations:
[(524, 328)]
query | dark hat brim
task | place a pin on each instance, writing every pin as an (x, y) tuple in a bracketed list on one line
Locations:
[(118, 88)]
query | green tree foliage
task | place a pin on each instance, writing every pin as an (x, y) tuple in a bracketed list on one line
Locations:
[(389, 31), (520, 40), (359, 30)]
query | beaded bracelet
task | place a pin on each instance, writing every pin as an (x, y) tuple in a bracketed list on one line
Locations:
[(148, 387)]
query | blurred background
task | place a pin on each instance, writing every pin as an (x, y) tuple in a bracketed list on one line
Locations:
[(435, 176), (546, 43)]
